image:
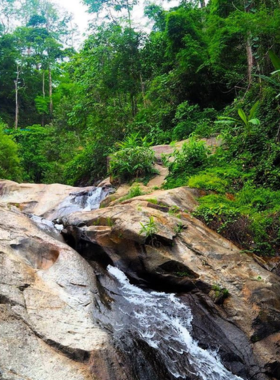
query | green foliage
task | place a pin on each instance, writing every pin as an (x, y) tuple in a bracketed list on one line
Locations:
[(131, 163), (88, 164), (149, 229), (246, 120), (42, 104), (133, 141), (208, 182), (192, 156), (32, 143), (174, 211), (134, 191), (250, 218), (179, 228), (10, 163), (220, 293), (189, 119), (274, 59)]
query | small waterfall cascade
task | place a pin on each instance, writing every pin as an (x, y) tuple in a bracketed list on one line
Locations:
[(163, 322), (86, 200), (81, 201)]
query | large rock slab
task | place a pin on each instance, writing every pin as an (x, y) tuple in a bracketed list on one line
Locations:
[(48, 292), (181, 254), (46, 301), (34, 198)]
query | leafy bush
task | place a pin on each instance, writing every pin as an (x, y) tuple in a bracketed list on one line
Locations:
[(10, 163), (31, 148), (134, 191), (208, 182), (250, 218), (133, 141), (150, 228), (44, 152), (189, 119), (192, 156), (159, 137), (131, 163), (88, 165)]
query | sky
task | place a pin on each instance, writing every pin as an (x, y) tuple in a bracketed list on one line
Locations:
[(81, 17)]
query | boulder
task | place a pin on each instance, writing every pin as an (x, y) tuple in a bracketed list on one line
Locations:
[(165, 248), (51, 293), (46, 300), (34, 198)]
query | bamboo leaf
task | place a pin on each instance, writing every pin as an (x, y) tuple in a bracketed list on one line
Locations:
[(255, 121), (226, 118), (225, 122), (270, 80), (275, 60), (242, 115), (253, 110)]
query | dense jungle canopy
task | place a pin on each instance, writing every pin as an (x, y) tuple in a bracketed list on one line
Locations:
[(204, 69)]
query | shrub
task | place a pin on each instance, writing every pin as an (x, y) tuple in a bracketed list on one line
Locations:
[(189, 119), (208, 182), (150, 228), (192, 156), (10, 164), (87, 166), (131, 163), (251, 219), (134, 191), (226, 219)]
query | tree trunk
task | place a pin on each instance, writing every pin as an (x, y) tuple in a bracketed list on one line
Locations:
[(133, 105), (143, 90), (250, 60), (43, 85), (50, 91), (44, 96), (202, 3), (249, 50), (16, 98)]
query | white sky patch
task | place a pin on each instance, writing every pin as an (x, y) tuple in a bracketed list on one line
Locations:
[(82, 18), (79, 11)]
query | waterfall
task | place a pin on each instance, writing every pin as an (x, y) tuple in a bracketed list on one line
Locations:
[(164, 323), (80, 201)]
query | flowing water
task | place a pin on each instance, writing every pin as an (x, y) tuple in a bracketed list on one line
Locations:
[(159, 320), (80, 201), (163, 322)]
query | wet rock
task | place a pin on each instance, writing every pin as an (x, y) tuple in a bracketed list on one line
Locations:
[(49, 293), (248, 296), (46, 300)]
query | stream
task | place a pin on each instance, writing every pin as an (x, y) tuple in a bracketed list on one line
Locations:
[(152, 330), (164, 324)]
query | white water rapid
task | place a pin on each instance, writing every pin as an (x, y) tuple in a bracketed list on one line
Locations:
[(81, 201), (164, 323)]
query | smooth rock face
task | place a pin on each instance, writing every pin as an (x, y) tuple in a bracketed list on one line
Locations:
[(46, 299), (183, 255), (34, 198), (50, 295)]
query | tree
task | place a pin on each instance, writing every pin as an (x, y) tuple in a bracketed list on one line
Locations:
[(10, 167), (111, 7), (8, 13)]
